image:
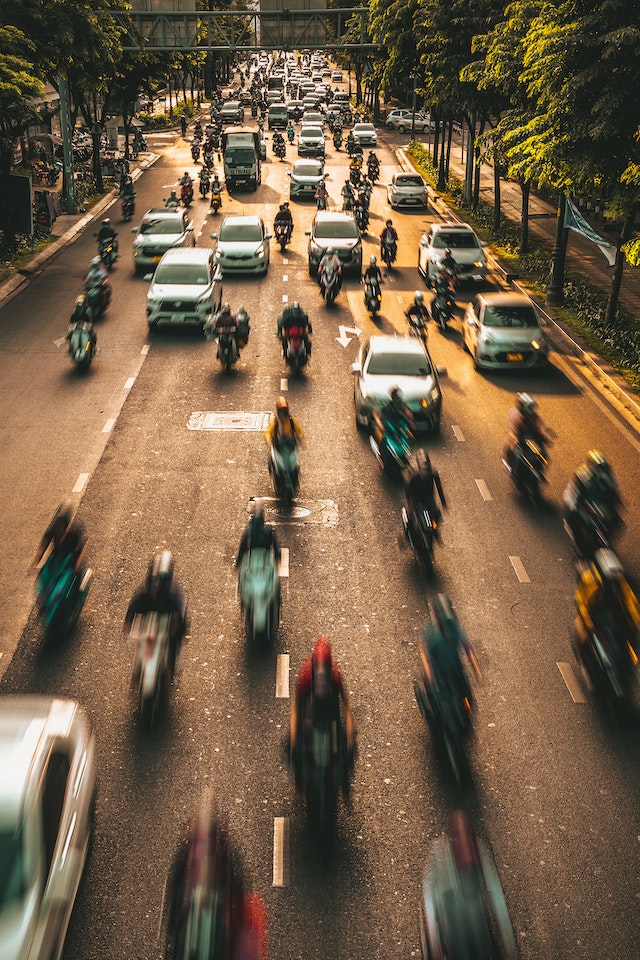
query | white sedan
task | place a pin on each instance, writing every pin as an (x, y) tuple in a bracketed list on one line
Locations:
[(242, 245)]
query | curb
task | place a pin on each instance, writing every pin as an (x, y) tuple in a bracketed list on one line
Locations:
[(607, 382), (15, 283)]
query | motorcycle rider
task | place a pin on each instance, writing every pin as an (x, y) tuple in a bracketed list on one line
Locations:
[(294, 316), (128, 193), (284, 216), (449, 261), (372, 273), (373, 163), (283, 428), (443, 641), (258, 536), (290, 132), (330, 265), (318, 692), (216, 188), (350, 142), (442, 287), (183, 125), (162, 594), (524, 423), (66, 538), (172, 200), (348, 196), (594, 488), (607, 607), (107, 233), (82, 314), (393, 411), (321, 196), (389, 236), (279, 146), (197, 130), (98, 277), (420, 485), (186, 185), (417, 314)]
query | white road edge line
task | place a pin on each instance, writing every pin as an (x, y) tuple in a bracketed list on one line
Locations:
[(285, 298), (282, 676), (484, 490), (569, 677), (145, 350), (280, 851), (520, 571), (458, 434), (108, 427), (80, 483), (130, 382)]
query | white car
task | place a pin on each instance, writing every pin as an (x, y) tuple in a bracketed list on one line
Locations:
[(365, 134), (466, 250), (305, 177), (501, 331), (242, 245), (47, 797), (186, 288), (403, 120), (336, 76), (160, 230), (311, 141), (407, 190)]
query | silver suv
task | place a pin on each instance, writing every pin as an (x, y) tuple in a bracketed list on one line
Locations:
[(186, 288), (160, 230), (338, 231)]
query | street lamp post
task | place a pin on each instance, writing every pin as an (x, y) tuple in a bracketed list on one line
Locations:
[(413, 107)]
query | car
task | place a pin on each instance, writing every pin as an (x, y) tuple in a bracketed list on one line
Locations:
[(310, 101), (337, 230), (365, 134), (407, 190), (277, 117), (47, 799), (341, 96), (232, 112), (313, 117), (316, 76), (402, 120), (186, 288), (311, 141), (242, 245), (295, 109), (246, 97), (336, 76), (502, 331), (466, 249), (326, 72), (274, 96), (160, 230), (305, 177), (384, 362)]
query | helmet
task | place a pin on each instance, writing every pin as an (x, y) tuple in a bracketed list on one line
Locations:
[(283, 206), (173, 194), (96, 261), (295, 306), (372, 260), (257, 517), (330, 251), (526, 404), (225, 308), (106, 222), (161, 572), (419, 296), (321, 663), (63, 516), (80, 301), (608, 564), (396, 393), (597, 461), (443, 613), (423, 462), (282, 405), (389, 223)]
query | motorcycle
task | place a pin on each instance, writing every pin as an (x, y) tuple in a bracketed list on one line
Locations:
[(128, 207), (362, 217), (373, 169), (441, 310), (228, 351), (195, 152), (295, 349), (448, 714), (321, 776), (388, 251), (61, 594), (290, 134), (337, 140), (98, 298), (365, 193), (205, 183), (186, 194), (391, 448), (420, 531), (280, 149), (108, 251), (329, 283), (526, 465), (591, 528), (418, 327), (354, 176), (216, 201), (284, 467), (372, 295), (283, 234), (80, 346), (607, 666), (151, 667), (259, 588)]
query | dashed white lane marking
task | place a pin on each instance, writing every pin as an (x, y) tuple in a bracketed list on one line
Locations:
[(399, 298), (484, 490), (284, 383), (458, 434), (145, 350), (571, 682), (108, 427), (280, 851), (79, 485), (520, 571), (285, 261), (130, 382), (285, 277), (285, 298), (283, 566), (282, 676)]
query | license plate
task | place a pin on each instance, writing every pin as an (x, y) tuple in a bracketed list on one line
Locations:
[(514, 357)]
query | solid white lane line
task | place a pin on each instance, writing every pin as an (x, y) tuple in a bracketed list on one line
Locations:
[(280, 851), (458, 434), (145, 350), (285, 298), (571, 681), (130, 382), (78, 486), (520, 571), (283, 566), (484, 490), (285, 277), (108, 427), (284, 383), (282, 676)]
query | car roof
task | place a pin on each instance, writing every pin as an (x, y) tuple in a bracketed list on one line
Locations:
[(379, 343), (333, 216), (363, 126), (437, 227), (188, 254), (163, 213), (506, 299), (305, 161), (252, 218)]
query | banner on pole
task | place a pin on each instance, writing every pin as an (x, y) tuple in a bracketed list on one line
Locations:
[(574, 220)]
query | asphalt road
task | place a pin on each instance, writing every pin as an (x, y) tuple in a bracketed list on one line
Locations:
[(554, 784)]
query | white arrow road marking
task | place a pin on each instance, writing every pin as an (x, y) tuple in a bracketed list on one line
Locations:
[(58, 343), (520, 571), (282, 676), (280, 851), (570, 680), (343, 338)]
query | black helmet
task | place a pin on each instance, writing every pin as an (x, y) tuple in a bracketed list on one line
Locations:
[(423, 462), (160, 575), (443, 613), (396, 393)]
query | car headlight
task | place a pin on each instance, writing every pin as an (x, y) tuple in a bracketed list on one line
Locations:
[(479, 263), (434, 394), (218, 255), (538, 344), (260, 251)]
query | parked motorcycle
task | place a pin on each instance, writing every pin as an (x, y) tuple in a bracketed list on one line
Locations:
[(283, 234), (295, 349), (151, 668), (259, 588), (61, 592), (372, 295), (284, 467), (388, 251), (420, 531), (526, 465), (81, 349)]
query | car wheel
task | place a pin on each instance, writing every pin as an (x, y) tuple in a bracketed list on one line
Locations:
[(401, 128), (390, 126)]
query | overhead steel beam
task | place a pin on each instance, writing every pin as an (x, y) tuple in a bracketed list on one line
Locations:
[(223, 30)]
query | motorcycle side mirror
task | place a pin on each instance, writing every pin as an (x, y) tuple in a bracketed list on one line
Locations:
[(214, 236), (148, 277), (268, 236), (442, 371), (307, 233)]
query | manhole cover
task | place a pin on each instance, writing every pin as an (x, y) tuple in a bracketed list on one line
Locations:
[(290, 513), (320, 512), (228, 420)]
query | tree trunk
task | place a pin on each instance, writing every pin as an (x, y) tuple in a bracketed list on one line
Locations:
[(436, 142), (525, 188), (442, 177), (448, 156), (468, 172), (626, 233), (496, 194), (476, 176), (555, 290)]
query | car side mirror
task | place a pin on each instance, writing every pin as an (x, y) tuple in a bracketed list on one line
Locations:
[(356, 368), (148, 277), (288, 173), (423, 242), (307, 233), (214, 236), (471, 320), (134, 229)]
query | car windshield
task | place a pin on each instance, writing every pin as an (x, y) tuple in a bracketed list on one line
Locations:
[(161, 226), (311, 133), (307, 170), (398, 364), (241, 233), (240, 155), (336, 230), (231, 105), (182, 273), (12, 865), (364, 128), (460, 240), (408, 181), (510, 316)]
